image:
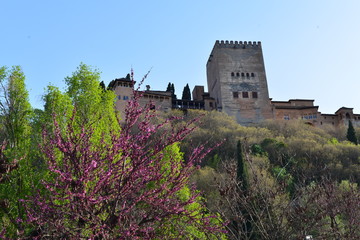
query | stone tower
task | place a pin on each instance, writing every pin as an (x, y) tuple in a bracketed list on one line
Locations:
[(236, 79)]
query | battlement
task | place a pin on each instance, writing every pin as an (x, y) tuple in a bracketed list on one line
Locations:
[(237, 44), (234, 45)]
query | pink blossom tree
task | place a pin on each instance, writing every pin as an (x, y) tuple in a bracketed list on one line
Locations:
[(135, 186)]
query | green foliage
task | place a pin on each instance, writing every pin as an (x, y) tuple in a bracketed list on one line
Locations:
[(214, 161), (241, 175), (256, 149), (351, 134), (15, 117), (15, 108), (333, 141), (93, 105), (102, 85), (284, 178)]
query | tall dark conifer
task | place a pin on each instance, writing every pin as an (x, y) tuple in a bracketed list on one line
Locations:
[(173, 91), (242, 179), (241, 170), (186, 95), (351, 134), (168, 89)]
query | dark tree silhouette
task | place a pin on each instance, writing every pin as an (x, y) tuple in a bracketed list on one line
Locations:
[(186, 95), (351, 134)]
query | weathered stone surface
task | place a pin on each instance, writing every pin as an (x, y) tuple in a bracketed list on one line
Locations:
[(237, 81)]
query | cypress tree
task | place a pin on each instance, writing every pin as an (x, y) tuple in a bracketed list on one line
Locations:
[(186, 95), (351, 134), (102, 85), (168, 89), (241, 170), (242, 179), (173, 91)]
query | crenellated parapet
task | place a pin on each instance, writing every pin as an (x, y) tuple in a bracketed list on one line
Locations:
[(234, 45), (237, 44)]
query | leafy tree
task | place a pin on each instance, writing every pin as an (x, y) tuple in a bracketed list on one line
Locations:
[(351, 134), (186, 95), (15, 116), (133, 186), (15, 108), (92, 105), (102, 85)]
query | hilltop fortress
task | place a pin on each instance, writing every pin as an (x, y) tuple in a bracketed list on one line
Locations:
[(237, 85)]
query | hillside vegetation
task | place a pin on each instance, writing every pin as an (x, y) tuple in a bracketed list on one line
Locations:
[(73, 170), (293, 179)]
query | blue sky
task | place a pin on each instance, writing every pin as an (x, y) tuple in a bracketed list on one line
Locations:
[(311, 48)]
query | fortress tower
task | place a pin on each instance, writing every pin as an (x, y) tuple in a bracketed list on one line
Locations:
[(236, 79)]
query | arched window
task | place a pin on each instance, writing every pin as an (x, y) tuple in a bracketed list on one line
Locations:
[(237, 74), (243, 74), (252, 74), (247, 75), (232, 74)]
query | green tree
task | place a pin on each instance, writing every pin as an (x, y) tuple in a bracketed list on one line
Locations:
[(173, 91), (241, 174), (168, 89), (15, 108), (15, 116), (84, 95), (186, 95), (351, 134)]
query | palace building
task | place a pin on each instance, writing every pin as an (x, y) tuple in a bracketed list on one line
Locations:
[(237, 85)]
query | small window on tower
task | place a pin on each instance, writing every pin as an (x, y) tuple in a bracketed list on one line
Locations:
[(243, 74), (252, 74), (254, 95), (245, 94), (232, 74), (238, 74), (235, 95), (247, 75)]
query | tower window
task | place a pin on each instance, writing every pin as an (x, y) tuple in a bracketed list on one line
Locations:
[(235, 95), (243, 74), (247, 75), (245, 94), (254, 95), (237, 74), (252, 74), (232, 74)]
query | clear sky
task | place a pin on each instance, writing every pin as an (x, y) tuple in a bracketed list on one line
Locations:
[(311, 47)]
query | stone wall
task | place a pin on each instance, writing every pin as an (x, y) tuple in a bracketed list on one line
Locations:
[(237, 81)]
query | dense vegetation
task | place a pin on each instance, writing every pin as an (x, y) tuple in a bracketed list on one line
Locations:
[(75, 171), (279, 180)]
